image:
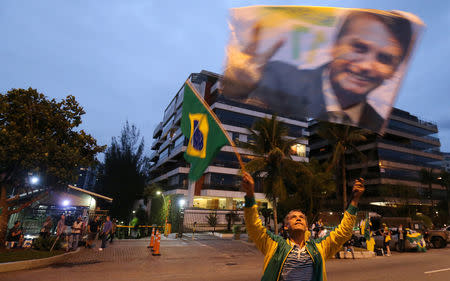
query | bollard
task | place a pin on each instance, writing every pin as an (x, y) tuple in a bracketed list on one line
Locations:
[(156, 249), (152, 239)]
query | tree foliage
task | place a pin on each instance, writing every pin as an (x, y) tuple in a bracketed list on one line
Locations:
[(124, 172), (273, 163), (343, 139), (40, 136)]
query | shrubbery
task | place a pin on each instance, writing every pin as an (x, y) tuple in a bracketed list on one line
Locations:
[(45, 244)]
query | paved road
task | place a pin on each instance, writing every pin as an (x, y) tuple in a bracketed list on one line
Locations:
[(215, 259)]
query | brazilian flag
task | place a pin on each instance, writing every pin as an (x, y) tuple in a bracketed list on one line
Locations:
[(415, 237), (201, 126)]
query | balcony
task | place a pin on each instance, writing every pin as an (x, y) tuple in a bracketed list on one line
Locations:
[(158, 130), (156, 144), (154, 156)]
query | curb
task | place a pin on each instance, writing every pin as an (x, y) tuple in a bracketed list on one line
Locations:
[(358, 255), (36, 263)]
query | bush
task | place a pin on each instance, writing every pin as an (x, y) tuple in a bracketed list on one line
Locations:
[(45, 244), (237, 229)]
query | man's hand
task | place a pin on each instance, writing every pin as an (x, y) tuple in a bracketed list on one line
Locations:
[(245, 67), (357, 192), (248, 185)]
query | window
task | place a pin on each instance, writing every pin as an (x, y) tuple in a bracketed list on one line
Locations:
[(298, 150)]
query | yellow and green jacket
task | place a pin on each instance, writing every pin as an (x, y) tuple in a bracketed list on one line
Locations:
[(276, 249)]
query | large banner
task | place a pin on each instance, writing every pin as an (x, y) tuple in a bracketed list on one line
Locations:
[(333, 64)]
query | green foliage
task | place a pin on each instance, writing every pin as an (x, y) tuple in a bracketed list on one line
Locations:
[(142, 217), (40, 136), (273, 163), (123, 174), (237, 229), (343, 139), (45, 244), (212, 220)]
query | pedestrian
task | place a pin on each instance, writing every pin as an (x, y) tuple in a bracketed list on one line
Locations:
[(113, 231), (76, 233), (107, 228), (61, 226), (299, 257), (15, 235), (46, 227), (401, 238), (93, 227), (387, 239), (348, 247)]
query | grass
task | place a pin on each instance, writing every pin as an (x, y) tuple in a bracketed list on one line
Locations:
[(11, 255)]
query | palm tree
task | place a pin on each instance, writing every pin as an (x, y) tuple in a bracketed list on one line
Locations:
[(343, 139), (428, 177), (444, 180), (272, 162), (314, 184)]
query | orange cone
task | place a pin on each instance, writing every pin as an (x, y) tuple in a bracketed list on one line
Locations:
[(152, 239), (157, 245)]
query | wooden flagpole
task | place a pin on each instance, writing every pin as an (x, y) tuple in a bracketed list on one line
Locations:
[(233, 145)]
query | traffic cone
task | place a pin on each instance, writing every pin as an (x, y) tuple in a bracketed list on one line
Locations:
[(152, 239), (157, 245)]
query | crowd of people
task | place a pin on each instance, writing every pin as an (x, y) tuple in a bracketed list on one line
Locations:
[(70, 233)]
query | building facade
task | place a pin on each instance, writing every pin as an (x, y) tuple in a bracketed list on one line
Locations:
[(395, 162), (219, 188)]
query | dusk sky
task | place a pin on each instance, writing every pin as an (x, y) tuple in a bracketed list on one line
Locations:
[(125, 60)]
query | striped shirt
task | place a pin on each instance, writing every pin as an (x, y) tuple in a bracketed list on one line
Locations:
[(298, 265)]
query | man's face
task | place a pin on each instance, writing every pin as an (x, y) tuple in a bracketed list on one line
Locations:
[(366, 55), (63, 217), (296, 221), (17, 224)]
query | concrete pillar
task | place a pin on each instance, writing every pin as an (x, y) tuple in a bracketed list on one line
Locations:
[(190, 195)]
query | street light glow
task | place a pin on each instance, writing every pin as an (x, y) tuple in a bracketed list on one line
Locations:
[(34, 180), (134, 212), (65, 202), (158, 192), (182, 202)]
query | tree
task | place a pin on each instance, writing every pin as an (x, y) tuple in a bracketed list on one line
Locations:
[(124, 172), (343, 139), (428, 177), (40, 136), (444, 180), (212, 220), (272, 162), (314, 185)]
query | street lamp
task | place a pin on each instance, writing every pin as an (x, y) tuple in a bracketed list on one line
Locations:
[(34, 180), (182, 202), (158, 192), (65, 203), (134, 212)]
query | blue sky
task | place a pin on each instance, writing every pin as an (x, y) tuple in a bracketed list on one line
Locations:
[(125, 60)]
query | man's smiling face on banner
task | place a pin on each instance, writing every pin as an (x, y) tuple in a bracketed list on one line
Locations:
[(364, 56)]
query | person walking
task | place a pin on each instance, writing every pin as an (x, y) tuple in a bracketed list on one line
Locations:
[(107, 228), (113, 231), (298, 257), (92, 228)]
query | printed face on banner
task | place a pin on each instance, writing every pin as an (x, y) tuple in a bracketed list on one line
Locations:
[(332, 64)]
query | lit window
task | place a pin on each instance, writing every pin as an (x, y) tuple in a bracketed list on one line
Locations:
[(299, 150)]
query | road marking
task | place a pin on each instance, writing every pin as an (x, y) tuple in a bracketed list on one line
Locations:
[(439, 270)]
